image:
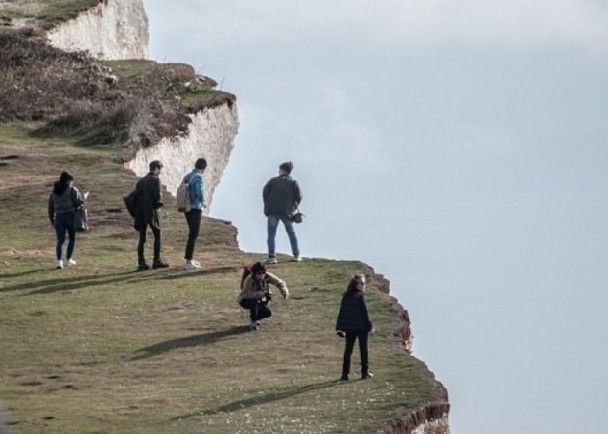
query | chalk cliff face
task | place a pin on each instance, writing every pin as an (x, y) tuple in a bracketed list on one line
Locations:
[(118, 30), (113, 30), (211, 135)]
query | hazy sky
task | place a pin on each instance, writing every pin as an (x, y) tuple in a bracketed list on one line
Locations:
[(460, 149)]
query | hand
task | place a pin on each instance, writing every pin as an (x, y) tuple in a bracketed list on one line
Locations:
[(286, 297), (85, 195), (340, 333), (372, 331)]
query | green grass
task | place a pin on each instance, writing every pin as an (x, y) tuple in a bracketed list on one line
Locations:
[(100, 348), (44, 14)]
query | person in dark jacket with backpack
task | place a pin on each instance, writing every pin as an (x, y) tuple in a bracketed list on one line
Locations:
[(194, 179), (354, 323), (282, 196), (147, 213), (62, 205)]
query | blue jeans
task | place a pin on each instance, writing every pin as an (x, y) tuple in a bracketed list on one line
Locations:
[(273, 223), (64, 221)]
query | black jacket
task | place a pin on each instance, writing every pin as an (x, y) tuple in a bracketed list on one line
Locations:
[(148, 202), (281, 195), (353, 316)]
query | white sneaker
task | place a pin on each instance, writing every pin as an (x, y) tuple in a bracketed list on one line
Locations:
[(192, 265), (297, 258), (59, 264), (198, 264), (70, 262), (271, 260)]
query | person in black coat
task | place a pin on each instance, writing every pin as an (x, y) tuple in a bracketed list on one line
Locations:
[(354, 322), (147, 213)]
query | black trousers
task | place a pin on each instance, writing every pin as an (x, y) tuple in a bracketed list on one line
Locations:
[(257, 310), (142, 242), (348, 351), (193, 217)]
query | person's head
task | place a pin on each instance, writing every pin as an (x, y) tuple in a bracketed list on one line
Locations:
[(356, 284), (65, 179), (286, 168), (156, 166), (201, 164), (258, 270)]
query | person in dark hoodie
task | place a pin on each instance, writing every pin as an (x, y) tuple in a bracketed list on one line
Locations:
[(63, 202), (354, 322), (147, 213)]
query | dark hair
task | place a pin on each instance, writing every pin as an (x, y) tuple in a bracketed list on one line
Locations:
[(351, 289), (200, 164), (156, 164), (65, 178), (286, 167), (258, 267)]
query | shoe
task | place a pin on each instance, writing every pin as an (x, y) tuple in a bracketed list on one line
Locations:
[(367, 375), (271, 260), (255, 325), (344, 377), (159, 264), (191, 265), (59, 264), (143, 266), (297, 259), (71, 262), (198, 264)]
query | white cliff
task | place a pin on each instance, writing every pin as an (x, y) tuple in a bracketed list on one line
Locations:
[(118, 30), (210, 135), (112, 30)]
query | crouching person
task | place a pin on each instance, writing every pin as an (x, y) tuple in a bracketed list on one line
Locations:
[(255, 293)]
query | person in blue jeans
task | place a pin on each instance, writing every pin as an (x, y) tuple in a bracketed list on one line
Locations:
[(62, 205), (194, 179), (282, 196), (354, 323)]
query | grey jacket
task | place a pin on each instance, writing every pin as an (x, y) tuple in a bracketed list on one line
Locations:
[(63, 200), (281, 196)]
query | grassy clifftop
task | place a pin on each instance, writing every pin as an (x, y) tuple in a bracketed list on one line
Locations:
[(100, 348)]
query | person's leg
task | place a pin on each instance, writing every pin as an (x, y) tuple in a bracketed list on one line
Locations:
[(141, 259), (273, 223), (293, 239), (348, 351), (157, 243), (264, 311), (71, 240), (193, 218), (364, 357), (60, 231)]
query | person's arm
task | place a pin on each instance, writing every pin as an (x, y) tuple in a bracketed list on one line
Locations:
[(77, 199), (51, 209), (297, 193), (266, 191), (156, 194), (278, 283), (366, 316)]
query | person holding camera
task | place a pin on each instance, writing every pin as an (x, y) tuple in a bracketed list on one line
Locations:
[(354, 323), (282, 196), (255, 293)]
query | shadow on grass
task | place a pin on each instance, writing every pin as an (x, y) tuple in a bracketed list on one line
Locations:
[(259, 400), (188, 341), (49, 286), (21, 273), (181, 274)]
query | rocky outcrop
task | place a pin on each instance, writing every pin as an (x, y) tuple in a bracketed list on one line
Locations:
[(210, 135), (112, 30)]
